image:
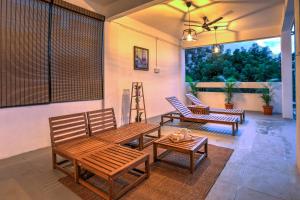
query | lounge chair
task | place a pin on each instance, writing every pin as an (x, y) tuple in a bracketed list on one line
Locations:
[(197, 102), (186, 115)]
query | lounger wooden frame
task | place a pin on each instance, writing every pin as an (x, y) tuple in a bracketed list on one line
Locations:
[(238, 112), (185, 114)]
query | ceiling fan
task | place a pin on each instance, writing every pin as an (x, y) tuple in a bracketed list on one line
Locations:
[(207, 24)]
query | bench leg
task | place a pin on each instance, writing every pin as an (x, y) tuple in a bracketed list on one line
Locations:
[(241, 119), (76, 171), (154, 152), (237, 126), (53, 160), (233, 129)]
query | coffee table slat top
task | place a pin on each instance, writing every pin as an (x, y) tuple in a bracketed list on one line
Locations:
[(127, 132), (190, 145)]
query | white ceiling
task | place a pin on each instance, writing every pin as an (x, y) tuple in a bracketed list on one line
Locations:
[(241, 15)]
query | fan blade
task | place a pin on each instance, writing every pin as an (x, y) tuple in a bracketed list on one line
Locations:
[(214, 21), (193, 25), (195, 5)]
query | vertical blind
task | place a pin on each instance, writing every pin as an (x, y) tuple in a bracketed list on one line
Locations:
[(50, 51), (76, 55), (24, 52)]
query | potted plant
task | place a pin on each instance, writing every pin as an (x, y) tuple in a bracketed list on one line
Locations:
[(193, 85), (266, 96), (230, 84)]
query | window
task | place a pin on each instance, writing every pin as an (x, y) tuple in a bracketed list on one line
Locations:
[(24, 52), (51, 51), (76, 55)]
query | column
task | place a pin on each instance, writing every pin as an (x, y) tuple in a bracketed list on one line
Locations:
[(297, 37), (286, 75)]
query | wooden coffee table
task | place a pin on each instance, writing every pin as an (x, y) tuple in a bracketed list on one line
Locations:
[(190, 148)]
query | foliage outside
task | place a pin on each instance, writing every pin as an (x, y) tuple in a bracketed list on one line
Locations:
[(257, 64), (193, 85)]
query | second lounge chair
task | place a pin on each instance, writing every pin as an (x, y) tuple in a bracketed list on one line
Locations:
[(186, 115), (239, 112)]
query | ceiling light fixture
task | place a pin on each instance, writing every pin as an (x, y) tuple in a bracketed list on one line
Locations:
[(216, 46), (189, 34)]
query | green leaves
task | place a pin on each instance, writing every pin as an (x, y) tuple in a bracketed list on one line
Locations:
[(193, 85), (257, 64)]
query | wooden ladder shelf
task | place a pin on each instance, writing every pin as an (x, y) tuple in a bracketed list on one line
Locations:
[(137, 95)]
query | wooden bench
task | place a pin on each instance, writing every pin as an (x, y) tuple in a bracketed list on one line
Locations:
[(110, 164), (70, 139), (103, 126)]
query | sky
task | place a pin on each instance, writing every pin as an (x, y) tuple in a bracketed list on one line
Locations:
[(272, 43)]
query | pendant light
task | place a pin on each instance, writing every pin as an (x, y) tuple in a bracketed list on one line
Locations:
[(189, 34), (216, 46)]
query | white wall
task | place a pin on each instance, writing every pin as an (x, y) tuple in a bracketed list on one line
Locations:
[(121, 36), (25, 129), (246, 101)]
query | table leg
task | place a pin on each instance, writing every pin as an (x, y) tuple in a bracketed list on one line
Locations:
[(111, 188), (147, 167), (141, 142), (206, 149), (192, 162), (233, 125), (159, 132)]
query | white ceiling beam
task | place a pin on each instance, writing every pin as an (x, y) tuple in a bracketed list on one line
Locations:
[(122, 8)]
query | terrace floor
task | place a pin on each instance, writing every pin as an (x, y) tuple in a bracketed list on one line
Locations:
[(261, 167)]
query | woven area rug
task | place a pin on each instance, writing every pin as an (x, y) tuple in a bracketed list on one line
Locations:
[(169, 181)]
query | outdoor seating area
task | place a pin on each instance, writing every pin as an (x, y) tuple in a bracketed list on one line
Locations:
[(91, 143), (149, 100)]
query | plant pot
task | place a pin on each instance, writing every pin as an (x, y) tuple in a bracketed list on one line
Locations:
[(268, 110), (229, 105)]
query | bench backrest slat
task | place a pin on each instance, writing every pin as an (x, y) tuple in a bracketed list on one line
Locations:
[(101, 120), (68, 127), (179, 106), (194, 99)]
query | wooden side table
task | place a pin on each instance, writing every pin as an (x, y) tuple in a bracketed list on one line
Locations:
[(188, 147), (199, 109)]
